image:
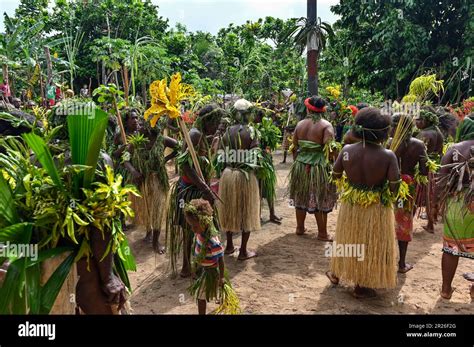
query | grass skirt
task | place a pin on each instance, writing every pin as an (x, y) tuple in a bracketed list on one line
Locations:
[(239, 192), (176, 227), (150, 209), (373, 227), (458, 238), (269, 179), (310, 188)]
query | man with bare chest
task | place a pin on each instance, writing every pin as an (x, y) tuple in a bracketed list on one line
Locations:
[(310, 188), (427, 121), (411, 156)]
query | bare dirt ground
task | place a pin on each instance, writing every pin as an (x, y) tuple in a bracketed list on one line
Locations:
[(288, 276)]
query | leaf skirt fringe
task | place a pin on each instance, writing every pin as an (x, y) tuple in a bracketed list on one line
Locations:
[(150, 208), (310, 187), (177, 230), (240, 207), (373, 228)]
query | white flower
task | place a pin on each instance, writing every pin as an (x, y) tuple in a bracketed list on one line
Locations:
[(242, 105)]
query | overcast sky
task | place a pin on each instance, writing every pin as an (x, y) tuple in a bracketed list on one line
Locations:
[(211, 15)]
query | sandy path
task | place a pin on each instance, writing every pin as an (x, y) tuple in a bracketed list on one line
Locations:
[(288, 275)]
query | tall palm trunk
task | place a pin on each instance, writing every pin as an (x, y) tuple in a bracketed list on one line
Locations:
[(6, 80), (312, 50)]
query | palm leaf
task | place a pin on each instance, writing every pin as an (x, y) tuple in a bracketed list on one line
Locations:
[(86, 136), (14, 233), (10, 287), (44, 156), (51, 289), (33, 288)]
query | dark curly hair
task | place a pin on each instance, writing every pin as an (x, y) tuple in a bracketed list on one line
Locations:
[(210, 114), (317, 101), (372, 125)]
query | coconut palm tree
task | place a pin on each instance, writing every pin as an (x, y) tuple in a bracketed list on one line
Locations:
[(311, 34)]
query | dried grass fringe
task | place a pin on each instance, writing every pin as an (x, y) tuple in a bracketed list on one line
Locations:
[(372, 226), (240, 210), (150, 209)]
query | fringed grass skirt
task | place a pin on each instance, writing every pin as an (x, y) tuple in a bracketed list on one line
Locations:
[(240, 210), (458, 237), (310, 188), (150, 210), (373, 228)]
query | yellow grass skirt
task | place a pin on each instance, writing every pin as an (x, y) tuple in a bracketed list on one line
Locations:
[(373, 227), (240, 210), (150, 209)]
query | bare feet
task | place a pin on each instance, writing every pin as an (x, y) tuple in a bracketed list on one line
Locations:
[(405, 269), (247, 255), (334, 280), (275, 219), (185, 273), (469, 276), (300, 231), (148, 237), (230, 250), (160, 249), (363, 293), (447, 294), (325, 238), (428, 228)]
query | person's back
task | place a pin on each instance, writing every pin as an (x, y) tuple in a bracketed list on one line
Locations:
[(310, 189), (369, 164), (239, 137), (318, 132), (366, 214), (410, 154), (454, 191), (427, 122)]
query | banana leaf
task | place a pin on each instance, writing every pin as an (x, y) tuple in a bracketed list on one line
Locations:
[(10, 287), (44, 156), (127, 257), (51, 289), (121, 271), (33, 288), (86, 135)]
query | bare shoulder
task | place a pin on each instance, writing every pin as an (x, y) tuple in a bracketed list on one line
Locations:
[(326, 123), (195, 135), (417, 144), (390, 154)]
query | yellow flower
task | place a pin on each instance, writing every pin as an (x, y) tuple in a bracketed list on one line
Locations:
[(334, 91), (167, 100)]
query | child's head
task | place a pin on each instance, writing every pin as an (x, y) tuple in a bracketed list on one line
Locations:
[(198, 214)]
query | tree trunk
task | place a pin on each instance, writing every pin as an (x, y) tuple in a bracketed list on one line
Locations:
[(49, 66), (312, 53), (104, 74), (5, 73)]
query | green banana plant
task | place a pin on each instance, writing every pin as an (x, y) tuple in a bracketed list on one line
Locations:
[(36, 209)]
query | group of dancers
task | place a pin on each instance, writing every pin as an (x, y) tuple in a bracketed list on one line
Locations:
[(380, 175)]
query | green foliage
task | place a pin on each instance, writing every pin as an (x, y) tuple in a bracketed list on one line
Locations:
[(269, 134), (395, 41)]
